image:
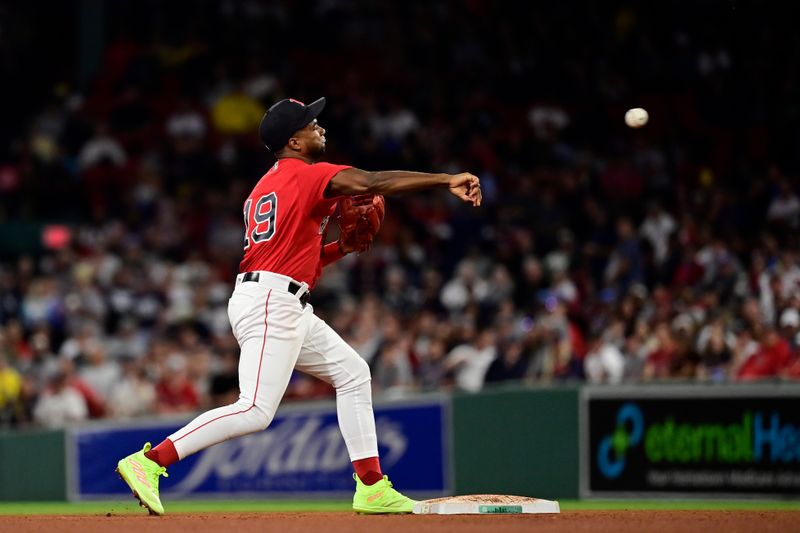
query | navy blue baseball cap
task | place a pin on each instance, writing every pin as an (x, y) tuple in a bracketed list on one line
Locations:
[(284, 118)]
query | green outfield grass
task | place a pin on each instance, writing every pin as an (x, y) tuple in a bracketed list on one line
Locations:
[(677, 505), (219, 506)]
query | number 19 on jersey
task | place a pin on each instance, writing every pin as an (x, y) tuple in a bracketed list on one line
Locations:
[(265, 212)]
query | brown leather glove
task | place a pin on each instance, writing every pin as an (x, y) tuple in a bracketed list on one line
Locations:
[(359, 219)]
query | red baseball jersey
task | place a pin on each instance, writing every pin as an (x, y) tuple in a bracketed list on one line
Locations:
[(285, 218)]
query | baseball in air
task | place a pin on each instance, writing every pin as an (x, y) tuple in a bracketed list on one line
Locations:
[(636, 117)]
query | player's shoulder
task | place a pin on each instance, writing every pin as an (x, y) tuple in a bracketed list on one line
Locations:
[(281, 178), (280, 169)]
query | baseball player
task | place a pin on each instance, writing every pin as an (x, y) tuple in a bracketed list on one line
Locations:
[(285, 219)]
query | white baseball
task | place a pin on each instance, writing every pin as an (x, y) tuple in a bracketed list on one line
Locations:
[(636, 117)]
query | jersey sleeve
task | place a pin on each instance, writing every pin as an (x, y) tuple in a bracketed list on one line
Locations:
[(316, 180)]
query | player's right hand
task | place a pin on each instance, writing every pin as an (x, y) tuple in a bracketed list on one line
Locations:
[(467, 187)]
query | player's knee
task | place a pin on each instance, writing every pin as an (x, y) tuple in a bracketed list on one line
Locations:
[(360, 372), (353, 375), (261, 418), (253, 417)]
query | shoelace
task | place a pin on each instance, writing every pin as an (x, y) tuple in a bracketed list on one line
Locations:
[(160, 472)]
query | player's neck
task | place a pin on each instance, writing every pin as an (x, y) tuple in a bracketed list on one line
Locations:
[(301, 157)]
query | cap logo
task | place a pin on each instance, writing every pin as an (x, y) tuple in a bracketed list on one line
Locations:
[(298, 102)]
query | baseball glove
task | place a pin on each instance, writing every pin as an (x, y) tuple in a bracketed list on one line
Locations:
[(359, 219)]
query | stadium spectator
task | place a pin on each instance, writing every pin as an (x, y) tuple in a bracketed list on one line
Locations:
[(236, 113), (657, 227), (604, 363), (662, 358), (470, 361), (175, 392), (98, 372), (134, 395), (94, 402), (510, 365), (771, 358), (785, 207), (60, 404), (224, 388), (673, 249), (392, 374), (10, 392), (715, 354)]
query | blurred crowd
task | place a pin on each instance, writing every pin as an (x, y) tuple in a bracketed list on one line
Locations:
[(601, 254)]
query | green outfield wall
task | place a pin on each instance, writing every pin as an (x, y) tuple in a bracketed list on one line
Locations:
[(517, 441), (550, 442), (33, 466)]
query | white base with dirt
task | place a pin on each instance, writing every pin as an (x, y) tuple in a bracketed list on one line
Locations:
[(486, 504)]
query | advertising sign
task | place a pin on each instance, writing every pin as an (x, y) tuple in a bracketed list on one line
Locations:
[(731, 442), (301, 453)]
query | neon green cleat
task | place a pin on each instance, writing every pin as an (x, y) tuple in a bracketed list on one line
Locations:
[(380, 498), (141, 475)]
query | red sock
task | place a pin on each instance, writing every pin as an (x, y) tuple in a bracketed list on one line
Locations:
[(164, 454), (368, 470)]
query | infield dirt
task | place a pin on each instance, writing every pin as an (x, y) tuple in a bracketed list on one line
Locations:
[(574, 521)]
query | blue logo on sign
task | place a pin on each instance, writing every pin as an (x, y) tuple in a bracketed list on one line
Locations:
[(628, 433)]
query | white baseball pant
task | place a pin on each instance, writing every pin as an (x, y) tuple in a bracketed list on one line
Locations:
[(277, 334)]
